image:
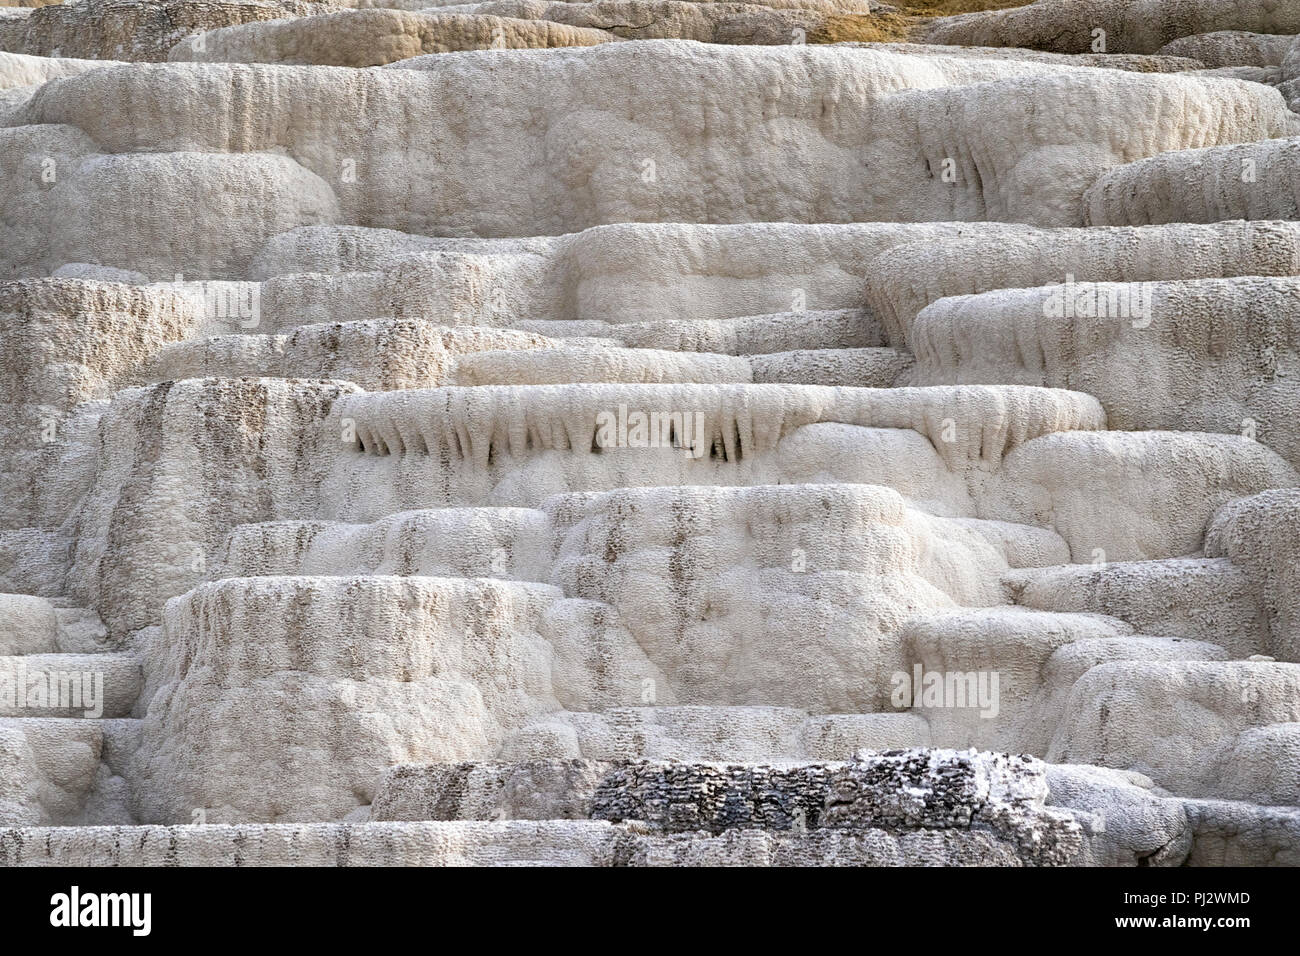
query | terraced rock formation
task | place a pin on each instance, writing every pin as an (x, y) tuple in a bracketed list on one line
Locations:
[(648, 432)]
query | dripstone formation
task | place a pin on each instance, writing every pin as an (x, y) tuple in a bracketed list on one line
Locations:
[(649, 432)]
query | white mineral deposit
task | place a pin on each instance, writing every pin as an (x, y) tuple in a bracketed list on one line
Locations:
[(650, 432)]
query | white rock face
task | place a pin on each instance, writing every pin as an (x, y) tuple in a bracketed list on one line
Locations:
[(66, 347), (649, 432), (134, 29), (1178, 714), (653, 283), (1256, 532), (1212, 354), (903, 139), (361, 38), (1131, 26), (448, 663), (1254, 181), (1232, 48), (182, 463), (28, 625), (915, 274), (49, 767), (19, 70)]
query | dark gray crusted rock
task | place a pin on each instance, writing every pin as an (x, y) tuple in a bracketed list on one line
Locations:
[(929, 789), (681, 797), (896, 791)]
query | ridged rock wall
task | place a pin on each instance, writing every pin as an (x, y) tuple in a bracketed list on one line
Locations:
[(647, 432)]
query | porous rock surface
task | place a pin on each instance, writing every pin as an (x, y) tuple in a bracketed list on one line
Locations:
[(1129, 26), (649, 432), (134, 29)]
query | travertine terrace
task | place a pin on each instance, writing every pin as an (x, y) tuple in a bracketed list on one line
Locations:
[(650, 432)]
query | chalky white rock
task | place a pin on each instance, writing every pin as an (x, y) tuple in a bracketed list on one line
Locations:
[(649, 432)]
